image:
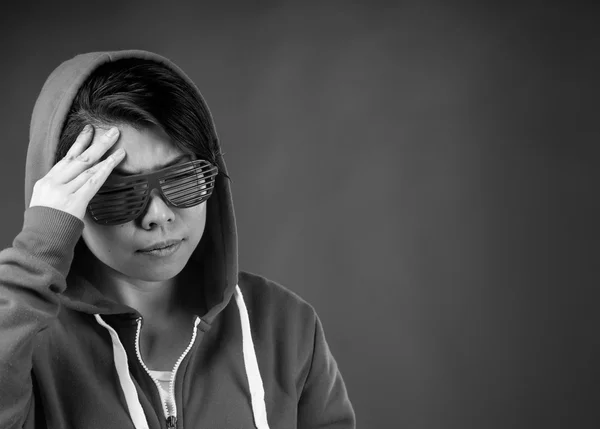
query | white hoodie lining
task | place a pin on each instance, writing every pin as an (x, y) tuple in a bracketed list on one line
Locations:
[(257, 392)]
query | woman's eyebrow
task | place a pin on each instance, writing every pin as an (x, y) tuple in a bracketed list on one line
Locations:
[(120, 170)]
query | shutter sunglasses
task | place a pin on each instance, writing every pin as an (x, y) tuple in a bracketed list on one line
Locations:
[(123, 198)]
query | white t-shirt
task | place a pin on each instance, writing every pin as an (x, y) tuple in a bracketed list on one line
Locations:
[(164, 379)]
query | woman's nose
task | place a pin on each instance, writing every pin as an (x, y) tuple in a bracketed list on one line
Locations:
[(157, 212)]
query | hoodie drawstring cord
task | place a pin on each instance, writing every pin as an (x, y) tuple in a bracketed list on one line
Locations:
[(122, 365), (257, 392)]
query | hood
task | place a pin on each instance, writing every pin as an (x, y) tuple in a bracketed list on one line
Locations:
[(215, 258)]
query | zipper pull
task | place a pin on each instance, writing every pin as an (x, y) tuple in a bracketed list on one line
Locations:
[(171, 422)]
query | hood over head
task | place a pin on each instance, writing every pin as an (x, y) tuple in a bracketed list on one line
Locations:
[(214, 263)]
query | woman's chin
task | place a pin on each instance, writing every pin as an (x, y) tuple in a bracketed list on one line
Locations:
[(156, 273)]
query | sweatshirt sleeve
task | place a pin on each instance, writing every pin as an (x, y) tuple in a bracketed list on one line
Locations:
[(324, 401), (32, 274)]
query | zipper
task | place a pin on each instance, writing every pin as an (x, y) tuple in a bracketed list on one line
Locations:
[(171, 422), (171, 418)]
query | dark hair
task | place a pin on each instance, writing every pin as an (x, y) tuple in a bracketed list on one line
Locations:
[(142, 93)]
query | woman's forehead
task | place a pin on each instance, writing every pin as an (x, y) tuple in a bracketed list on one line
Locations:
[(147, 150)]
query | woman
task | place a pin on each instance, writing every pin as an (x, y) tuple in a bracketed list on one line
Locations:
[(121, 303)]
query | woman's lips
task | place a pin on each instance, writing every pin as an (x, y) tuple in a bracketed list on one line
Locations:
[(163, 249), (160, 245)]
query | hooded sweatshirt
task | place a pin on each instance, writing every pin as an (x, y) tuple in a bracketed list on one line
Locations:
[(70, 356)]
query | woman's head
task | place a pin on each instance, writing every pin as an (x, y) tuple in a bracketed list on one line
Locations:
[(142, 94), (160, 118)]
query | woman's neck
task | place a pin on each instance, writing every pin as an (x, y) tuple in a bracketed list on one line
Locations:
[(155, 300)]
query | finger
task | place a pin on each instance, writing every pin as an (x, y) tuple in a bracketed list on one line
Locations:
[(83, 140), (109, 163), (97, 179), (74, 166), (102, 142)]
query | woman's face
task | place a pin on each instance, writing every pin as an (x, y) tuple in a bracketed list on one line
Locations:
[(118, 246)]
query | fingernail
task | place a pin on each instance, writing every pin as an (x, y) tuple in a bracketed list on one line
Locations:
[(87, 128), (112, 132)]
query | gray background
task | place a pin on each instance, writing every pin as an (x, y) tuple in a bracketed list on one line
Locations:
[(420, 172)]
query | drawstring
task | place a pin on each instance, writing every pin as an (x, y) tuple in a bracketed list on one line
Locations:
[(257, 391), (133, 402)]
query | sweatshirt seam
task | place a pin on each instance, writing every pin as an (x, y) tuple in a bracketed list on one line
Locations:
[(312, 357)]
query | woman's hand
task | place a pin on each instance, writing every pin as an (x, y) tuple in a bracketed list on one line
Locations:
[(74, 180)]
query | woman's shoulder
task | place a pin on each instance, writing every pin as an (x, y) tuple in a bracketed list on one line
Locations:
[(263, 295)]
